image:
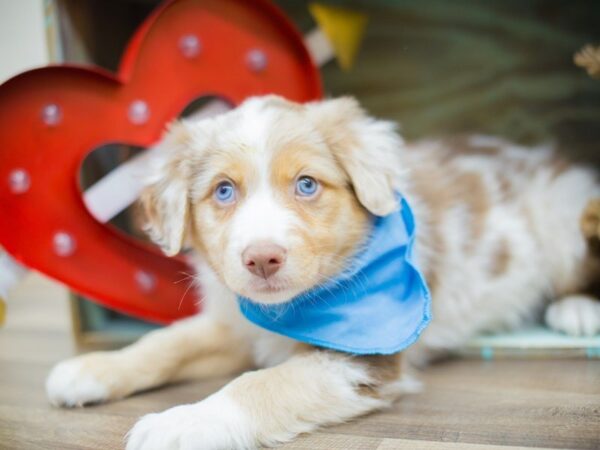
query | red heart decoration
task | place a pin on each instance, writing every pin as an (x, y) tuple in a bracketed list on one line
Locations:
[(51, 118)]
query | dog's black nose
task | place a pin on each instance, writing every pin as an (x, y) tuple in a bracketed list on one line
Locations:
[(264, 259)]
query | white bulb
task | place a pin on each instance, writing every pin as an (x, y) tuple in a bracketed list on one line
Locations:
[(139, 112), (146, 281), (190, 46), (51, 114), (257, 60), (19, 181), (64, 244)]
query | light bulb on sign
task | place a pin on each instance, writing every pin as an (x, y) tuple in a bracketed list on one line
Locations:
[(51, 114), (19, 181), (64, 244), (139, 112), (190, 46)]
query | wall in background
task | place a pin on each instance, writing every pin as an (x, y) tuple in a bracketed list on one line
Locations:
[(22, 36)]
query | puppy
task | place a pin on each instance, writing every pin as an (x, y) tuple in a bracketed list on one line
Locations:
[(501, 231)]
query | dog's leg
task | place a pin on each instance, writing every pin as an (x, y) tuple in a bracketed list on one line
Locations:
[(575, 315), (195, 347), (579, 314), (271, 406)]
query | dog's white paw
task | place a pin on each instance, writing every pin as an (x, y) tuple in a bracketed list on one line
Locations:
[(216, 423), (71, 383), (575, 315)]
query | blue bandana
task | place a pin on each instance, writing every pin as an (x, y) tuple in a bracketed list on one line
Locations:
[(380, 306)]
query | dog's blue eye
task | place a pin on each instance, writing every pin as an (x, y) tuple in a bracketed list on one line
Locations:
[(306, 186), (225, 192)]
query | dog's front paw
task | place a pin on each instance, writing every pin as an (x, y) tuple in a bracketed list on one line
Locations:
[(79, 381), (216, 423), (576, 315)]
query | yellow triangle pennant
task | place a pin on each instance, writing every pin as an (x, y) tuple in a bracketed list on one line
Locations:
[(343, 28)]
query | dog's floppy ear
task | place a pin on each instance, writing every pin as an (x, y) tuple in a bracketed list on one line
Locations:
[(366, 148), (165, 197)]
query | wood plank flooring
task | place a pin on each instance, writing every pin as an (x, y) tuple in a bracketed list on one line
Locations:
[(467, 404)]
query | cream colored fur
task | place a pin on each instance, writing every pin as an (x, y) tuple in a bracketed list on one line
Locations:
[(498, 237)]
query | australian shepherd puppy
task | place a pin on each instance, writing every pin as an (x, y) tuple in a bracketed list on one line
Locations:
[(274, 198)]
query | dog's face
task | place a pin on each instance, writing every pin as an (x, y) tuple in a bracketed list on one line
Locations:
[(275, 195)]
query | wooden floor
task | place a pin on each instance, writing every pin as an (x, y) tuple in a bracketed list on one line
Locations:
[(466, 405)]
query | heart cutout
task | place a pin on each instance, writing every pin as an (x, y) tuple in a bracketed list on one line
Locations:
[(51, 118)]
